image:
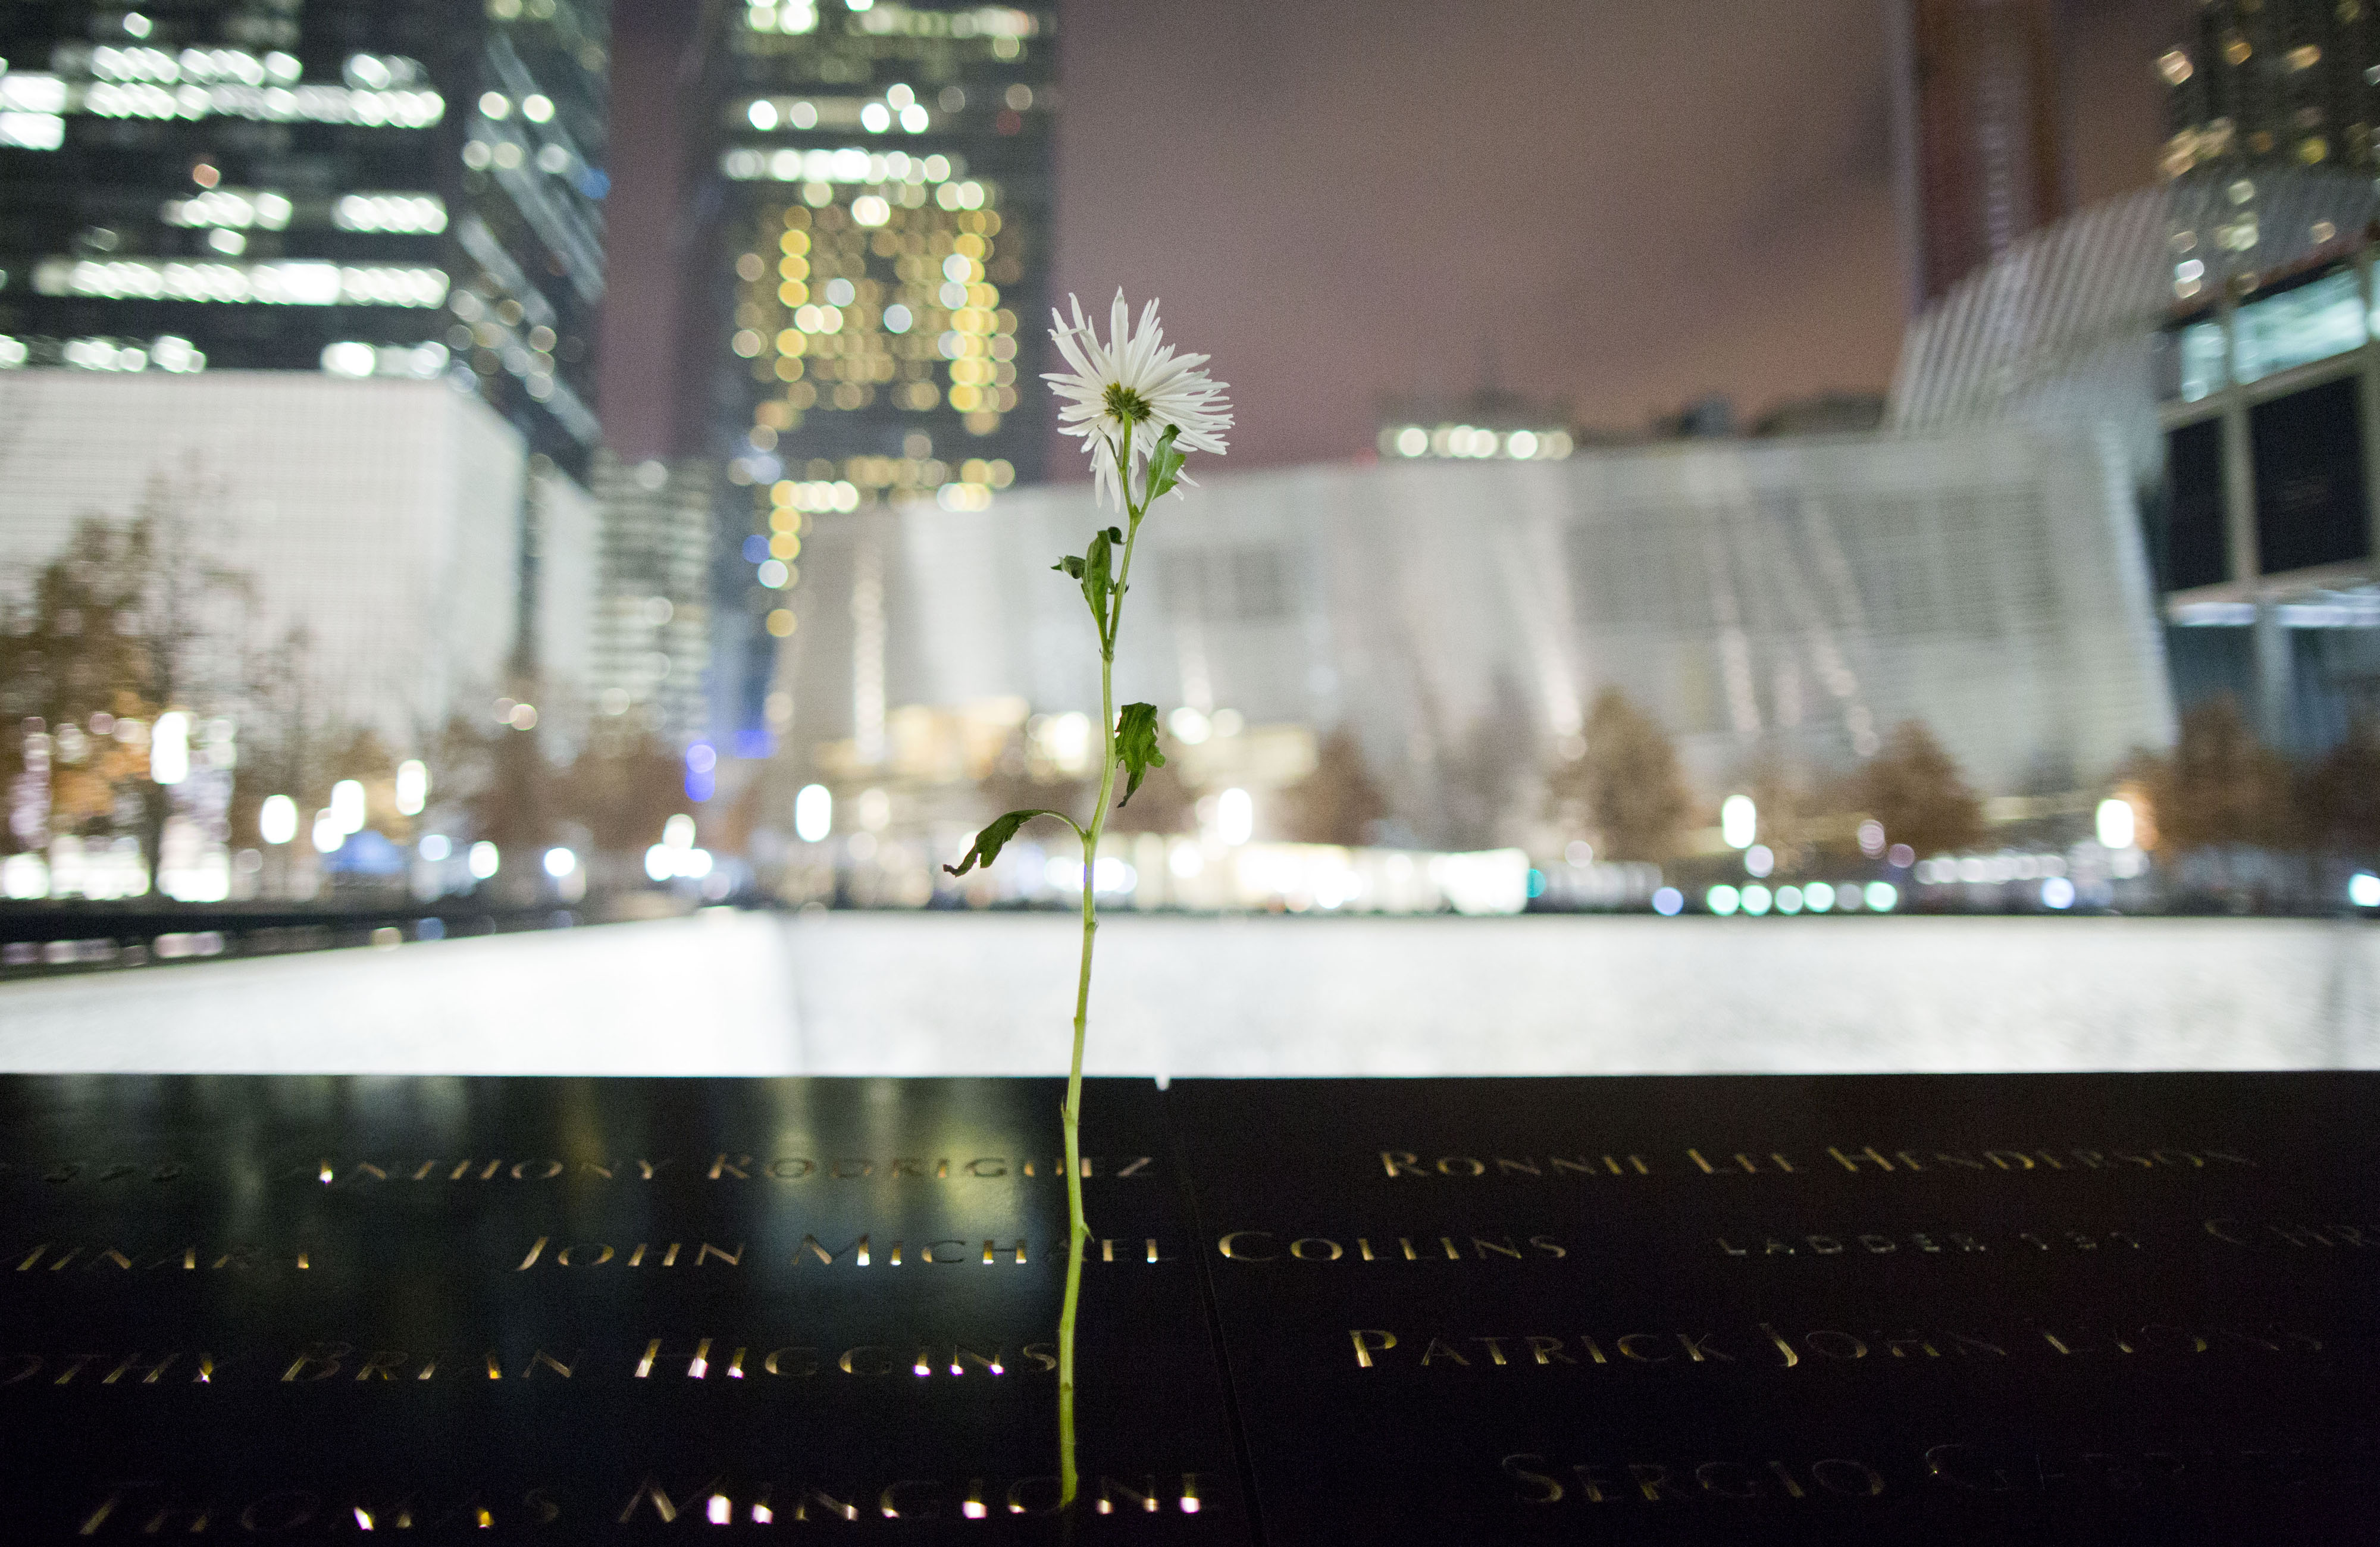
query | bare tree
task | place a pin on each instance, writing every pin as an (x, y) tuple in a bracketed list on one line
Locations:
[(2220, 788), (126, 622), (1628, 790), (1338, 803), (623, 788), (1915, 789), (2339, 797)]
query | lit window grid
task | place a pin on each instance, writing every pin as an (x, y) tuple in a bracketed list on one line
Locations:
[(1471, 442), (242, 209), (29, 92), (850, 164), (229, 209), (863, 477), (297, 282), (169, 352), (1004, 25), (388, 97), (834, 356), (655, 548), (870, 116)]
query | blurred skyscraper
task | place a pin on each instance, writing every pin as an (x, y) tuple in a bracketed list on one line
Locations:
[(652, 616), (379, 519), (1979, 140), (2255, 82), (392, 189), (2219, 333), (874, 195)]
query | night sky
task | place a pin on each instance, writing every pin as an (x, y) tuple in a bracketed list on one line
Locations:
[(1626, 204)]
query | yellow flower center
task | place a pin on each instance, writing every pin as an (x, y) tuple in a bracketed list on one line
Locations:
[(1125, 403)]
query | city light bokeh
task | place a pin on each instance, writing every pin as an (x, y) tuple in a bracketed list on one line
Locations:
[(2067, 614)]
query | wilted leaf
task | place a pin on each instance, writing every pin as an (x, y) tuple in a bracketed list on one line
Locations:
[(1099, 571), (992, 839), (1137, 745)]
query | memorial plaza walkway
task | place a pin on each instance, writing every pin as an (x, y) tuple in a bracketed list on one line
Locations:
[(883, 994)]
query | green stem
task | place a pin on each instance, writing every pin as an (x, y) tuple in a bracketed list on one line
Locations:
[(1078, 1229)]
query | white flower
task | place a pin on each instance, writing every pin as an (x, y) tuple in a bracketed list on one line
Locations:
[(1133, 379)]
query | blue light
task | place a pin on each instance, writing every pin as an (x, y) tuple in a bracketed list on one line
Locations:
[(754, 743), (2057, 893), (594, 183), (701, 758), (755, 548), (1536, 884), (701, 787), (1668, 902)]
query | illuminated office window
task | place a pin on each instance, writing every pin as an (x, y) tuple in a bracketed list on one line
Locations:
[(2312, 321)]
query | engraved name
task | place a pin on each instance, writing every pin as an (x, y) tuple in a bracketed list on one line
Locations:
[(1273, 1245), (861, 1251), (1865, 1160), (1766, 1344), (665, 1359), (1956, 1467), (1768, 1245), (149, 1507)]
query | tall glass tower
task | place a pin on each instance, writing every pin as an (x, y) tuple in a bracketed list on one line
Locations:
[(366, 187), (876, 183)]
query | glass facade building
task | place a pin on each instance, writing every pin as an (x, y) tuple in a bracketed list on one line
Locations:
[(2221, 330), (390, 188), (1797, 598), (876, 184)]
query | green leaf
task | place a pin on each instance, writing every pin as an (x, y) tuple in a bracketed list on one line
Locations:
[(1164, 467), (992, 839), (1137, 745), (1070, 567)]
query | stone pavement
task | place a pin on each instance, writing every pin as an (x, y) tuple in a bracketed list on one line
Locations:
[(890, 993)]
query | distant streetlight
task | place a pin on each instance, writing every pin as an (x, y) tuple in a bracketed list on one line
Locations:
[(2115, 823), (1235, 817), (412, 786), (169, 747), (484, 859), (560, 863), (814, 814), (276, 820), (1739, 821), (347, 806)]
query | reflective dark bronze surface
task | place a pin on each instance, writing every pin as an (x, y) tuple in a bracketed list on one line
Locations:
[(564, 1310), (2011, 1309), (1975, 1309)]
